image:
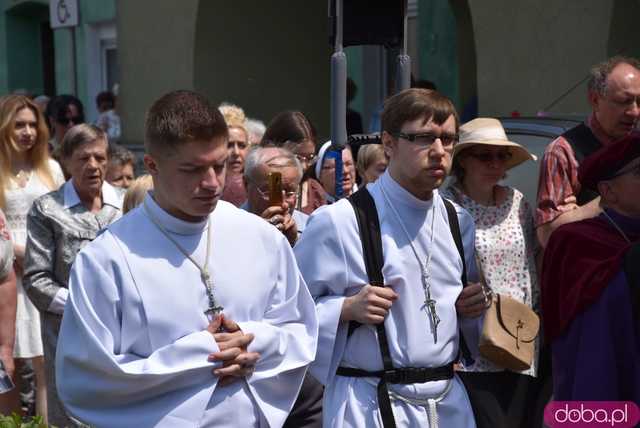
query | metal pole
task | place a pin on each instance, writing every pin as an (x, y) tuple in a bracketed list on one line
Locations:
[(403, 61), (74, 64), (338, 100)]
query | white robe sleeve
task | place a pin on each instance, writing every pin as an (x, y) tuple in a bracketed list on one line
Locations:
[(97, 382), (323, 262), (471, 327), (285, 338)]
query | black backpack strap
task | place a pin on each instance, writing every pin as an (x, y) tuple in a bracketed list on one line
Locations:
[(632, 272), (584, 143), (454, 225), (370, 236)]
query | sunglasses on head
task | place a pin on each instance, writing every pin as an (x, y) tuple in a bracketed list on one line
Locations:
[(76, 120)]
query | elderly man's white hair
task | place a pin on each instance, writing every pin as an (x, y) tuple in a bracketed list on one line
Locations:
[(273, 157), (255, 127)]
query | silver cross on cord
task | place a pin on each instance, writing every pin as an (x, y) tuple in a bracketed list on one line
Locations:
[(430, 306)]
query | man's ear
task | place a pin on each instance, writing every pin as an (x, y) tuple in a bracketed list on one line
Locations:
[(388, 144), (594, 100), (150, 164)]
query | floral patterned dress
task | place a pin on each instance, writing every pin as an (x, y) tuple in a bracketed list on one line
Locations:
[(505, 249)]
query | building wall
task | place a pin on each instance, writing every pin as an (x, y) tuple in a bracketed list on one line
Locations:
[(529, 54), (265, 57), (156, 53), (22, 50), (20, 45)]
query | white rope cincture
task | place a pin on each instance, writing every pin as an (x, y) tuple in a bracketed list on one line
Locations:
[(430, 404)]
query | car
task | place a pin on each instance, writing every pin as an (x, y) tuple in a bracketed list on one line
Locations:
[(534, 133)]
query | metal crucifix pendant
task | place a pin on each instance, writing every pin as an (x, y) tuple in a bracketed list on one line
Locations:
[(430, 306), (213, 309)]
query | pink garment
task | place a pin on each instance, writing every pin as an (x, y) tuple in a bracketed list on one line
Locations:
[(234, 191)]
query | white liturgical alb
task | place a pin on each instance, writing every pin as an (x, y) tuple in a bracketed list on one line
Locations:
[(133, 345)]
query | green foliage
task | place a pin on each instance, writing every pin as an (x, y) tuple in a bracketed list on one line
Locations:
[(17, 421)]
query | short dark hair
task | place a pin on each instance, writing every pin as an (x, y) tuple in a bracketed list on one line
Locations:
[(58, 107), (599, 72), (106, 97), (180, 117), (119, 155), (80, 135), (290, 126), (415, 103)]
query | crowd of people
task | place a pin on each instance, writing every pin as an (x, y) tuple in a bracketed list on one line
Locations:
[(202, 294)]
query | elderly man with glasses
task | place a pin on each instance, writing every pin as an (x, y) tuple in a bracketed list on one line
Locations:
[(259, 164), (614, 96)]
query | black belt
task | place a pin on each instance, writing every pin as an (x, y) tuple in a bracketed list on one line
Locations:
[(405, 375)]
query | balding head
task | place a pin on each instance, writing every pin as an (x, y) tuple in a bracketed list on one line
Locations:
[(259, 163), (614, 94)]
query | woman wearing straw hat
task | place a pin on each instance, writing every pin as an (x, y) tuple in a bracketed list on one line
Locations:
[(505, 250)]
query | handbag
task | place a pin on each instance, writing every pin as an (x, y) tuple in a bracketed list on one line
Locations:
[(509, 331)]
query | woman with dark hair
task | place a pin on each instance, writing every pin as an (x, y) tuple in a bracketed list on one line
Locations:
[(26, 173), (293, 131)]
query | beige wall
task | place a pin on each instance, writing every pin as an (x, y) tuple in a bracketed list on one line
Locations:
[(529, 53), (265, 56), (155, 48), (249, 52)]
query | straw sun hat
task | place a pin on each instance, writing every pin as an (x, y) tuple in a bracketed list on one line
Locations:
[(490, 132)]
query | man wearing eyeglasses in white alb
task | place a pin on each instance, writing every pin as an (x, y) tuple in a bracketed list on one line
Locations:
[(259, 163)]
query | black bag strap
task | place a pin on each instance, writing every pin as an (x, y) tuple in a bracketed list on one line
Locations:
[(371, 238), (584, 143), (454, 225), (632, 272)]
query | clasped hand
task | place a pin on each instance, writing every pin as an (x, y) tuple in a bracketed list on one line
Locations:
[(237, 362), (370, 306)]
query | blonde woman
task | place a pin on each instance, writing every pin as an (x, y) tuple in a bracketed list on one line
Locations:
[(371, 163), (26, 173), (135, 193), (238, 145)]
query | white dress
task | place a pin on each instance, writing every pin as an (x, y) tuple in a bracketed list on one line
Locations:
[(18, 201)]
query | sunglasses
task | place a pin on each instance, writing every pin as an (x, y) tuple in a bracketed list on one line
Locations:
[(490, 157), (76, 120)]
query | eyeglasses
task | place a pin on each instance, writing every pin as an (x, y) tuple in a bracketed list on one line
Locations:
[(426, 139), (627, 103), (76, 120), (264, 194), (306, 158), (332, 165), (501, 157)]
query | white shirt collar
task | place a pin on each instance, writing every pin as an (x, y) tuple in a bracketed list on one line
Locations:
[(169, 222), (399, 194), (110, 195)]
